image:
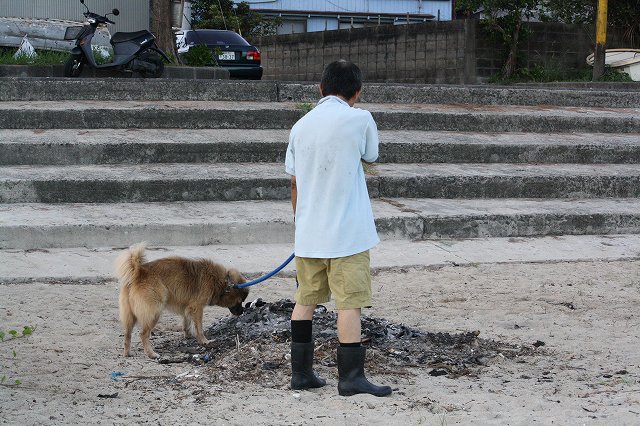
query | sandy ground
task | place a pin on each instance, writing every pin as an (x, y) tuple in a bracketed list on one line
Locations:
[(587, 372)]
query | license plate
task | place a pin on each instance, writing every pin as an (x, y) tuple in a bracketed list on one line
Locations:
[(227, 56)]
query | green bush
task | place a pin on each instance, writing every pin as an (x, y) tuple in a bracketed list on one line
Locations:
[(199, 56), (102, 56), (172, 59), (553, 73), (612, 74)]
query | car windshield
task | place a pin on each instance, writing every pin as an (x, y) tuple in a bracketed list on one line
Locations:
[(215, 37)]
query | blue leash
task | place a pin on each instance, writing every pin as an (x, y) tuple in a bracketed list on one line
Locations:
[(266, 277)]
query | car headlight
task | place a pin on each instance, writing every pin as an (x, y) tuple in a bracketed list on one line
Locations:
[(91, 20)]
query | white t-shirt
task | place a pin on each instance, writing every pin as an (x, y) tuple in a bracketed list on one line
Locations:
[(333, 211)]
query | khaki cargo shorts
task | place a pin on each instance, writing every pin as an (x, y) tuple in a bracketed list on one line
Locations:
[(348, 278)]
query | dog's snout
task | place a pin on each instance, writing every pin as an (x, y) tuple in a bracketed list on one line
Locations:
[(237, 309)]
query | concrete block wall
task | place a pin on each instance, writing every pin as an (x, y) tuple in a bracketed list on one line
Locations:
[(451, 52), (552, 43), (547, 44), (432, 52)]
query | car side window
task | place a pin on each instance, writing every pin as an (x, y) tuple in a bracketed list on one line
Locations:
[(190, 38)]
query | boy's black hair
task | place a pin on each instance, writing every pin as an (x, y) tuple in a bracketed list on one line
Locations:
[(341, 78)]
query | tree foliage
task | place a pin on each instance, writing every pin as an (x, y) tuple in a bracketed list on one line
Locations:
[(504, 17), (238, 17), (624, 14)]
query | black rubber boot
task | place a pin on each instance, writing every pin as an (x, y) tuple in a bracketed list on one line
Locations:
[(351, 374), (302, 375)]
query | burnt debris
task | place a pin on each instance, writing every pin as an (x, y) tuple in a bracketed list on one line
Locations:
[(257, 344)]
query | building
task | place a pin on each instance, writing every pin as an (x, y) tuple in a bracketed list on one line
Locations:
[(134, 14), (320, 15), (44, 21), (298, 16)]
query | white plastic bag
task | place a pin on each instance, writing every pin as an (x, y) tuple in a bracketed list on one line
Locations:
[(25, 49)]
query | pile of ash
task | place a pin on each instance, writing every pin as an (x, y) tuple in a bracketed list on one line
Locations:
[(255, 345)]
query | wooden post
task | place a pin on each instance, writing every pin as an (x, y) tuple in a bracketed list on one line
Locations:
[(601, 40)]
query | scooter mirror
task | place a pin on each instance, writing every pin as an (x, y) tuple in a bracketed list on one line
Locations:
[(115, 12), (82, 1)]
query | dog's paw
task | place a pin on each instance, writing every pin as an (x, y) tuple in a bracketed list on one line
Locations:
[(153, 355), (204, 342)]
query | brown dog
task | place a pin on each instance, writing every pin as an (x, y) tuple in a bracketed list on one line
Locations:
[(183, 286)]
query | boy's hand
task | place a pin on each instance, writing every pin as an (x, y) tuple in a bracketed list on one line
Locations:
[(369, 168)]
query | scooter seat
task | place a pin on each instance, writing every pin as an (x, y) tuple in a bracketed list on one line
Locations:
[(120, 37)]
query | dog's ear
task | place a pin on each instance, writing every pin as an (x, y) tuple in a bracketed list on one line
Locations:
[(235, 277)]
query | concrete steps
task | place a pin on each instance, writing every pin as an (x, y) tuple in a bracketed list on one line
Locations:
[(137, 146), (282, 115), (95, 265), (268, 181), (29, 225), (195, 168), (602, 95)]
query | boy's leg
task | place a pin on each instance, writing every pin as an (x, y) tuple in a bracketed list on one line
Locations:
[(313, 289), (350, 281), (349, 326), (303, 312)]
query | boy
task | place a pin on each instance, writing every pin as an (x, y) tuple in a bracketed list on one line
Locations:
[(334, 225)]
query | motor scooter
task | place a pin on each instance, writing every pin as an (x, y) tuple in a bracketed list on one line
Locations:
[(132, 52)]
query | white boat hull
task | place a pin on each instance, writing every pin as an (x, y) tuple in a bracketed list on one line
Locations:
[(625, 60)]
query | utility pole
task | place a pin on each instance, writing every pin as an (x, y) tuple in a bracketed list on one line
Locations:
[(186, 14), (601, 40)]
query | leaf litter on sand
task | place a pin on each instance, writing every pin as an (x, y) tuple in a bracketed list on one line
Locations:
[(255, 347)]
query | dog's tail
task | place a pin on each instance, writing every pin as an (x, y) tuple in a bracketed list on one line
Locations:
[(127, 265)]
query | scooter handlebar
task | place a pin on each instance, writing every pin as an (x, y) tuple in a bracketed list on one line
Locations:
[(98, 18)]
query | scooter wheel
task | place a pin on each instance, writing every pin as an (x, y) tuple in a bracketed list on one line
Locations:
[(73, 66), (156, 60)]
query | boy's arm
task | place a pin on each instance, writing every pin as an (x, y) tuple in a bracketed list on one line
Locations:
[(290, 168), (371, 142), (294, 194)]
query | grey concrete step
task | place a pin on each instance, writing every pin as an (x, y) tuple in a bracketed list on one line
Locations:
[(136, 146), (261, 115), (268, 181), (56, 89), (95, 265), (31, 226), (44, 73)]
